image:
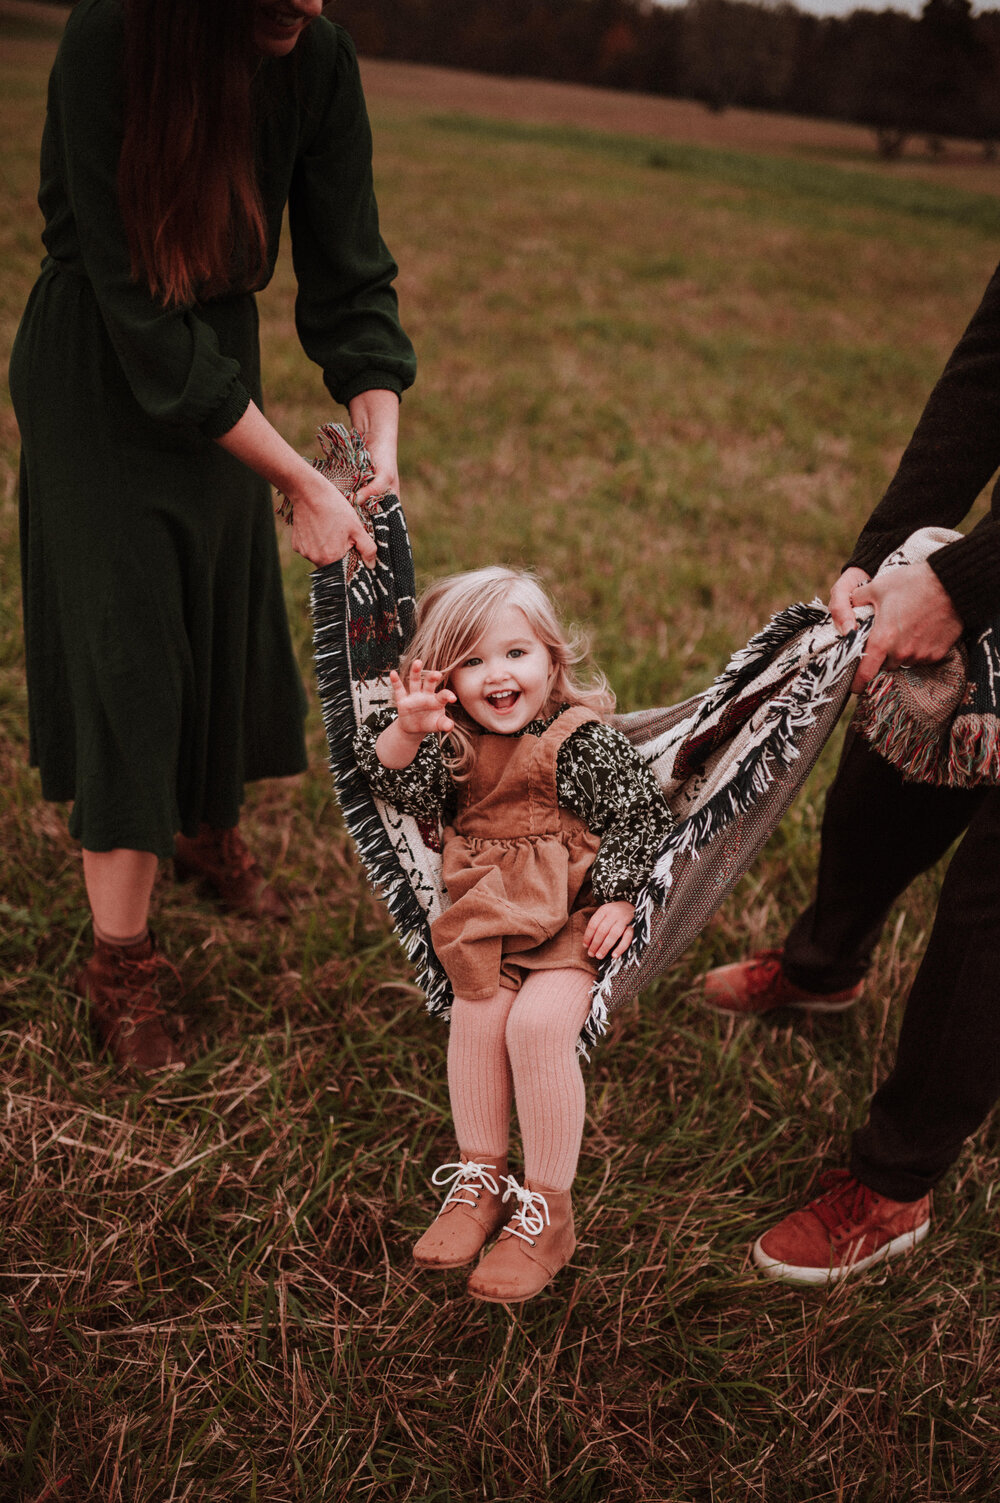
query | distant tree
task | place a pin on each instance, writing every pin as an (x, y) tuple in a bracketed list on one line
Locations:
[(935, 77), (949, 63), (736, 52), (988, 82), (658, 67)]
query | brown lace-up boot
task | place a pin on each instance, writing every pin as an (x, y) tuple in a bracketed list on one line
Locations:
[(222, 861), (470, 1213), (122, 985), (537, 1241)]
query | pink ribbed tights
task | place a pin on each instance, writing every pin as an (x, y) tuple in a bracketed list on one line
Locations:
[(522, 1044)]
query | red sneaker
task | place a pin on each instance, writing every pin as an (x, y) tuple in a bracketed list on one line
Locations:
[(759, 985), (844, 1230)]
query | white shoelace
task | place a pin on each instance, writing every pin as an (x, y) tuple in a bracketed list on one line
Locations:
[(468, 1179), (532, 1211)]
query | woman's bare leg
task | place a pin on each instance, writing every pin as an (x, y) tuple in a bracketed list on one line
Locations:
[(119, 887)]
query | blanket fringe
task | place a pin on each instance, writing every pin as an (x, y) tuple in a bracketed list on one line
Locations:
[(790, 714), (965, 756)]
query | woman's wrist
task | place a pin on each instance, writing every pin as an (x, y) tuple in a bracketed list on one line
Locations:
[(375, 414), (377, 409), (308, 490)]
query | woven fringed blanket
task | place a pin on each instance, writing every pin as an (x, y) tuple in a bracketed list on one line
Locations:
[(940, 722), (730, 760)]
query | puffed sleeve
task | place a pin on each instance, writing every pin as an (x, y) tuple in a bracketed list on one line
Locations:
[(602, 779), (424, 789), (170, 357), (346, 310)]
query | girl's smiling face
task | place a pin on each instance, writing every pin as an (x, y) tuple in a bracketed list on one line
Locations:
[(504, 683)]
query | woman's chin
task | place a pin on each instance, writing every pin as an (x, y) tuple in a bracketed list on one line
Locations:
[(276, 43)]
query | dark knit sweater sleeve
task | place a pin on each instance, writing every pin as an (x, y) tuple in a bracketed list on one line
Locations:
[(170, 356), (346, 309), (424, 789), (603, 781), (954, 451)]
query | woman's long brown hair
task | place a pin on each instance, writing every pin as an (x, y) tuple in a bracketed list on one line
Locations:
[(186, 181)]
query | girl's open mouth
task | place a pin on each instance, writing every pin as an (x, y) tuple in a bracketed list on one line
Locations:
[(505, 701)]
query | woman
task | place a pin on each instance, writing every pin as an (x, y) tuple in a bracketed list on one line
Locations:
[(160, 670)]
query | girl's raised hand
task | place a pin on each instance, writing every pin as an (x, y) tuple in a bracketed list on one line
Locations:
[(420, 705), (610, 925)]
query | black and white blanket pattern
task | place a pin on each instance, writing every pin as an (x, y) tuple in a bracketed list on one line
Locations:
[(730, 759)]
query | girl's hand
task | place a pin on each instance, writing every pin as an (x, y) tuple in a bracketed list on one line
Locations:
[(421, 704), (420, 710), (610, 923)]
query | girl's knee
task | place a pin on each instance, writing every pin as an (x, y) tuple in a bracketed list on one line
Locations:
[(544, 1020)]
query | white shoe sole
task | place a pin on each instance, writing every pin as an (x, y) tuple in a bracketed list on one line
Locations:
[(811, 1278)]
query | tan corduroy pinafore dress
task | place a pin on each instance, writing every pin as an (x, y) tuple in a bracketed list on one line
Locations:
[(516, 867)]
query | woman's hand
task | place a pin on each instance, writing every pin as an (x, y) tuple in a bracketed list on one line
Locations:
[(325, 526), (611, 924), (421, 708), (375, 414)]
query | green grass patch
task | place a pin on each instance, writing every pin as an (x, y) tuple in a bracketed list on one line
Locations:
[(777, 177)]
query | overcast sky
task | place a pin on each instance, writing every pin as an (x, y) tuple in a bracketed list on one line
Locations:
[(844, 7)]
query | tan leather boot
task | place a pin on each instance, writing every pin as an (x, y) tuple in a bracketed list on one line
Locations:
[(122, 985), (472, 1211), (222, 860), (533, 1246)]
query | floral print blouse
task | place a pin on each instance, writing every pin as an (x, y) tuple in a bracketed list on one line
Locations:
[(599, 777)]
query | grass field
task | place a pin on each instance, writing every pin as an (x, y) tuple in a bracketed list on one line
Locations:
[(673, 377)]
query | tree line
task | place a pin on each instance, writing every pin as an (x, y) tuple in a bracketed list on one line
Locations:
[(936, 75)]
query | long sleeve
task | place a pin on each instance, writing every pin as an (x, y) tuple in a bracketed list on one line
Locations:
[(170, 357), (346, 310), (424, 789), (954, 451), (602, 779)]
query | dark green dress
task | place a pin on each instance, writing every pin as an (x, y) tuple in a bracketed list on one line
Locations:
[(160, 670)]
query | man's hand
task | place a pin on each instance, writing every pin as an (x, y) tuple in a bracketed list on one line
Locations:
[(915, 621)]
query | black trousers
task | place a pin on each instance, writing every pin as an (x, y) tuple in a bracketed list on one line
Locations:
[(878, 834)]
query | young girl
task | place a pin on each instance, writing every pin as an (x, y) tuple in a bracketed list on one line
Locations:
[(551, 825)]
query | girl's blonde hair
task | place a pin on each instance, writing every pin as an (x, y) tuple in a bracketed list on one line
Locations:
[(455, 613)]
